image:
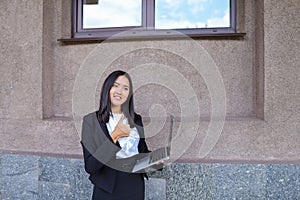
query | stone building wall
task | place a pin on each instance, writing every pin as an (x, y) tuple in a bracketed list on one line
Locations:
[(260, 73)]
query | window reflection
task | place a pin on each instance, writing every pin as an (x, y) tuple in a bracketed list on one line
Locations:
[(112, 13), (187, 14)]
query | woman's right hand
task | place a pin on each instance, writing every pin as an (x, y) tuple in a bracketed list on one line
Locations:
[(121, 130)]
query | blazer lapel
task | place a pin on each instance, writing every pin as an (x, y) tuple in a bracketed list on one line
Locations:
[(104, 129)]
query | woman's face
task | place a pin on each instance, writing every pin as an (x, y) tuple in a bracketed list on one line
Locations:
[(119, 92)]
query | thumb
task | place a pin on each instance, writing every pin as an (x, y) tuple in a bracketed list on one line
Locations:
[(121, 119)]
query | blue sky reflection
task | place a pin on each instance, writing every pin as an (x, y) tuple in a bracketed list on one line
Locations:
[(174, 14), (170, 14)]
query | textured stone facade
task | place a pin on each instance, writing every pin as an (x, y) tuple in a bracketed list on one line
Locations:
[(260, 73)]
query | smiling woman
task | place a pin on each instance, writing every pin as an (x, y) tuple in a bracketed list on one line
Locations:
[(112, 139)]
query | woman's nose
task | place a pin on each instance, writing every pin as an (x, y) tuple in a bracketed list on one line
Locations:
[(118, 90)]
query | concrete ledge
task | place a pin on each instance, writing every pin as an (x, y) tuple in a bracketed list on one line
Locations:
[(241, 141)]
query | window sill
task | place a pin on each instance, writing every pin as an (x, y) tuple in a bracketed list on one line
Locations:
[(227, 36)]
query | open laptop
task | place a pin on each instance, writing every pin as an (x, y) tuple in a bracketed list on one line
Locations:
[(149, 160)]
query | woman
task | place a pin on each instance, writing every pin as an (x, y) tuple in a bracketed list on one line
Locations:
[(111, 138)]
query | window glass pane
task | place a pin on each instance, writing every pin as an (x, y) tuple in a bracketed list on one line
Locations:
[(185, 14), (112, 13)]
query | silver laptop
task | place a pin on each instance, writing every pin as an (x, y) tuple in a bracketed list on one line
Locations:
[(149, 160)]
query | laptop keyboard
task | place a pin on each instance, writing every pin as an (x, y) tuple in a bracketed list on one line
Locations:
[(157, 155)]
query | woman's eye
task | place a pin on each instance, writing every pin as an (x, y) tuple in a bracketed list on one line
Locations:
[(126, 89)]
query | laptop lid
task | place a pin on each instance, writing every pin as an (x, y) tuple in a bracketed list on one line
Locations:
[(170, 134), (145, 163)]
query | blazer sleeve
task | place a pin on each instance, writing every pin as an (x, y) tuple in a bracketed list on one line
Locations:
[(97, 151)]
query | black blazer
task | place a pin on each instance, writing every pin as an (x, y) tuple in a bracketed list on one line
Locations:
[(99, 150)]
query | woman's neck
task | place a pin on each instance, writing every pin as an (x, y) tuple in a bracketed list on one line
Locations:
[(116, 110)]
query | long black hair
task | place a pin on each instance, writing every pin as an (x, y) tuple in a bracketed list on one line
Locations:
[(105, 104)]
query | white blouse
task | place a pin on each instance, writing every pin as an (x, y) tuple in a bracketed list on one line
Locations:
[(129, 145)]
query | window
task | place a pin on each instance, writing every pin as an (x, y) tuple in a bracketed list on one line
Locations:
[(104, 18)]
